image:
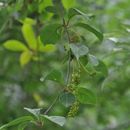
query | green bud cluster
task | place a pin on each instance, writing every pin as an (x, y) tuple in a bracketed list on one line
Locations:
[(73, 109), (76, 77)]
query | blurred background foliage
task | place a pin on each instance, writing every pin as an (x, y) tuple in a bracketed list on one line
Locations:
[(25, 87)]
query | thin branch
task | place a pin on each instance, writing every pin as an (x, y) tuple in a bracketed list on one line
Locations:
[(53, 103), (65, 25)]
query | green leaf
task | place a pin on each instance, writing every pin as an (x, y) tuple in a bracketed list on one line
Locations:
[(29, 21), (59, 120), (35, 112), (74, 12), (67, 99), (25, 58), (48, 48), (102, 68), (45, 48), (85, 96), (79, 51), (68, 3), (91, 29), (17, 121), (15, 45), (29, 36), (49, 33), (22, 126), (93, 60), (55, 75)]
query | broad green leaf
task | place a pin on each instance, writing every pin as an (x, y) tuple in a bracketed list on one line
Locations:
[(68, 3), (55, 75), (17, 121), (91, 29), (15, 45), (93, 60), (59, 120), (49, 33), (85, 96), (25, 58), (74, 12), (79, 51), (29, 36), (35, 112), (67, 99)]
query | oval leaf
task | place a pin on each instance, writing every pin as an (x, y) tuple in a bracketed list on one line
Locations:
[(85, 96), (59, 120), (35, 112), (67, 99), (91, 29), (74, 12), (55, 75), (25, 58), (14, 45), (29, 36), (79, 51)]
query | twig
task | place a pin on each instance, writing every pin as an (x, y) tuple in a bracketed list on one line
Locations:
[(53, 103), (65, 25)]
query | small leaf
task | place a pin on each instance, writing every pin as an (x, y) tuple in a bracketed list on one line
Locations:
[(14, 45), (93, 60), (59, 120), (85, 96), (25, 58), (29, 36), (48, 48), (49, 33), (55, 75), (67, 99), (91, 29), (35, 112), (17, 121), (79, 51), (74, 12)]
